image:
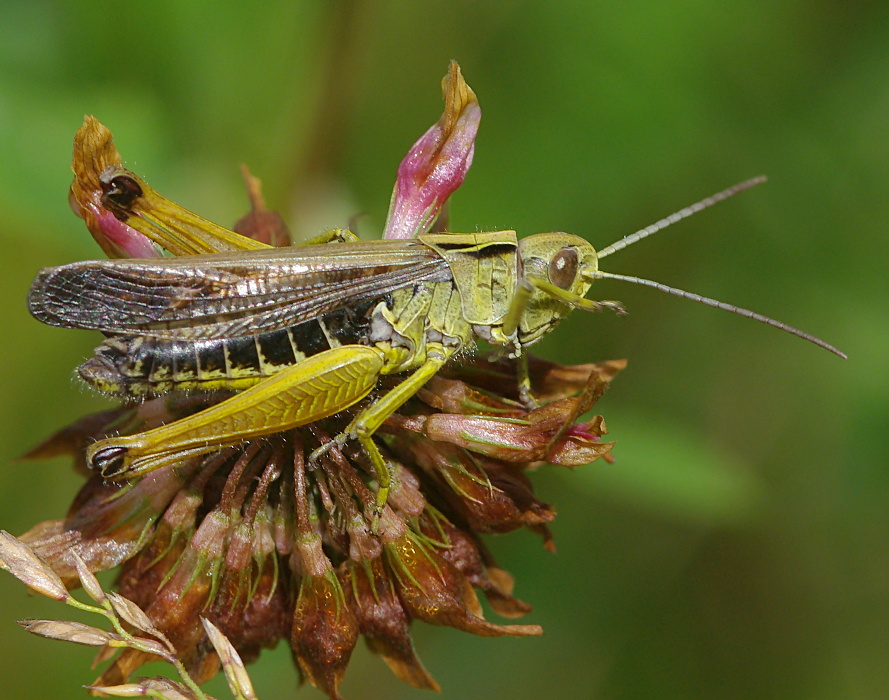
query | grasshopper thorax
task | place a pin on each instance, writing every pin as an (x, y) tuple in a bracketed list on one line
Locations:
[(551, 262)]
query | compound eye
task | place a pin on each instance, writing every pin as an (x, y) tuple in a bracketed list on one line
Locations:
[(563, 268)]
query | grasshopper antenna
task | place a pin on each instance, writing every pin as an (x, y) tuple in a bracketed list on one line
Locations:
[(594, 274), (680, 215), (599, 274)]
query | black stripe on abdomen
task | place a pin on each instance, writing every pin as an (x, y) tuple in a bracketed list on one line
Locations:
[(139, 366)]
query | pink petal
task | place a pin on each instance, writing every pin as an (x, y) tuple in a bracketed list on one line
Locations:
[(437, 163)]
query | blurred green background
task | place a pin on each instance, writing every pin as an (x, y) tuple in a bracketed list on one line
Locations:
[(737, 548)]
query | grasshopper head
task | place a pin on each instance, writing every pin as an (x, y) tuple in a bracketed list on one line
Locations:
[(560, 260), (557, 270)]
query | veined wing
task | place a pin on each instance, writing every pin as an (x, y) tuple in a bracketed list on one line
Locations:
[(227, 295)]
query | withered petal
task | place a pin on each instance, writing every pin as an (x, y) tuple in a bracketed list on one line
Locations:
[(324, 632), (260, 224), (370, 594), (468, 556), (432, 590)]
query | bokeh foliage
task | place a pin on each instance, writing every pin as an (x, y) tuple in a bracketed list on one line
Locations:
[(737, 548)]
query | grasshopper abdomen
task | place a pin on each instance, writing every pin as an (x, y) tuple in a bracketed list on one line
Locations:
[(140, 366)]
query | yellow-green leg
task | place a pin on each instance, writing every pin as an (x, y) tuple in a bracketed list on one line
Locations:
[(334, 235), (368, 421), (315, 388), (525, 394), (575, 301), (371, 418), (513, 318)]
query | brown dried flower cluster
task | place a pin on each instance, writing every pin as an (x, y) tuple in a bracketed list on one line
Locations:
[(266, 548)]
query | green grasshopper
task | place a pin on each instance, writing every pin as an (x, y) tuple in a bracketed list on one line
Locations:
[(305, 332)]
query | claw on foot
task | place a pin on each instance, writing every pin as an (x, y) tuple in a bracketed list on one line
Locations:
[(527, 398), (338, 442), (614, 306)]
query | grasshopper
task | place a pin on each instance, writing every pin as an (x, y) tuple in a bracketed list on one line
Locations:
[(305, 332)]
